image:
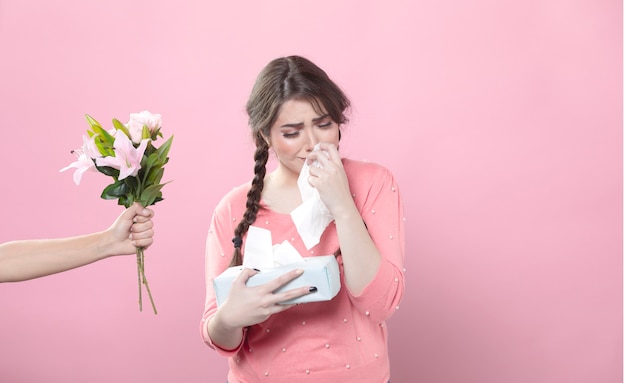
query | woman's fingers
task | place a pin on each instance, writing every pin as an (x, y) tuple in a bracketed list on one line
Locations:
[(139, 227), (244, 275), (249, 305), (272, 297), (284, 296), (282, 280)]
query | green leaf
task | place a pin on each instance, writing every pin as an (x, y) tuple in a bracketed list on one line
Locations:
[(157, 199), (109, 171), (124, 201), (146, 165), (115, 190), (164, 149), (132, 183), (152, 160), (150, 194), (127, 200), (154, 176)]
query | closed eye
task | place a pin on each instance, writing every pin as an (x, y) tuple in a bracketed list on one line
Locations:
[(325, 125), (291, 135), (324, 122)]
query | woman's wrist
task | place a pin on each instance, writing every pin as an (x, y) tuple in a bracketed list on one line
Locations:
[(347, 214), (223, 335)]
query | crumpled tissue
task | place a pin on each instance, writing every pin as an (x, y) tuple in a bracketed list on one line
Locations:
[(274, 261), (312, 216), (261, 254)]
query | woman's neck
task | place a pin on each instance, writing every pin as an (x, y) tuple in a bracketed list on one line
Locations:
[(283, 177), (281, 193)]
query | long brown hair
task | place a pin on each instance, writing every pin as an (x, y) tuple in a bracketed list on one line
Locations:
[(283, 79)]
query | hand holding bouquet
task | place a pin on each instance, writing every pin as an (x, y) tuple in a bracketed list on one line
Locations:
[(127, 154)]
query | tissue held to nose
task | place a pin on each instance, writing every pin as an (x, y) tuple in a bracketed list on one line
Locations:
[(311, 217)]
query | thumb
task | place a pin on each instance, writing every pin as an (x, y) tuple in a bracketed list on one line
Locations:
[(139, 209), (126, 216)]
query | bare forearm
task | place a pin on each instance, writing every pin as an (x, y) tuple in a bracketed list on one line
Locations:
[(22, 260)]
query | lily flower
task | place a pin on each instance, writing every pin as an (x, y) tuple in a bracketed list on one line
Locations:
[(82, 164), (84, 161), (127, 158), (89, 147)]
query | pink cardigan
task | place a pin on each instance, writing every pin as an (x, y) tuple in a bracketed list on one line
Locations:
[(342, 340)]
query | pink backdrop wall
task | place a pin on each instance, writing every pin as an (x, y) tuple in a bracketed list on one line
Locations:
[(501, 120)]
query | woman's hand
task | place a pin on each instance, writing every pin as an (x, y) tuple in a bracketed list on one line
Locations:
[(360, 255), (330, 180), (246, 306)]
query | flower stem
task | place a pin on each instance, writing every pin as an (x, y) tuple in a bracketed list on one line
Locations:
[(142, 279), (139, 262)]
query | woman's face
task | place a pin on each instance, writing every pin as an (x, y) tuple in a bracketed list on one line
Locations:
[(298, 128)]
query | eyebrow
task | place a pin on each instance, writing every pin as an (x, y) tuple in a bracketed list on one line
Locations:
[(299, 124)]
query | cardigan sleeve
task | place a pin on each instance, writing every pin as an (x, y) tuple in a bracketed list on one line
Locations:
[(218, 254), (377, 196)]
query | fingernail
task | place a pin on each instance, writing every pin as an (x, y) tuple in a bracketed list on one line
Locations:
[(299, 271), (312, 289), (256, 270)]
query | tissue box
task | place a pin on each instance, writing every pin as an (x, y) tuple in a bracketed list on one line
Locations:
[(321, 272)]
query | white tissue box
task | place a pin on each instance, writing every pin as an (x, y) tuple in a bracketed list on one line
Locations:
[(321, 272)]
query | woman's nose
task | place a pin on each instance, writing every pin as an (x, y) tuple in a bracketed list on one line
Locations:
[(311, 140)]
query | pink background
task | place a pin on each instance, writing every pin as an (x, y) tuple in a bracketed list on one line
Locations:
[(502, 121)]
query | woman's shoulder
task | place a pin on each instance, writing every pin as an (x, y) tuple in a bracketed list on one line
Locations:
[(368, 178), (235, 197), (364, 169)]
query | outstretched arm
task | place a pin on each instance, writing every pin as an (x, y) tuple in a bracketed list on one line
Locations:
[(28, 259)]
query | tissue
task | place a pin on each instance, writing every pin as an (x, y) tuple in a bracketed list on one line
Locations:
[(311, 217), (261, 255)]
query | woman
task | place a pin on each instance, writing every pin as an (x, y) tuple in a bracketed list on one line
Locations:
[(293, 107)]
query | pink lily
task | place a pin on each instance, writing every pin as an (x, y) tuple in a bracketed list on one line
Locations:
[(127, 158), (90, 148), (84, 161)]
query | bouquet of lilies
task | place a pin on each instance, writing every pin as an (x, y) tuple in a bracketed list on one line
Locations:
[(127, 154)]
